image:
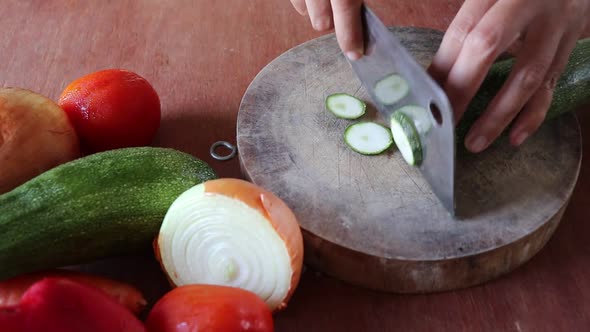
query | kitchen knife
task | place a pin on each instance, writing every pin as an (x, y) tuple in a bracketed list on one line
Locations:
[(396, 82)]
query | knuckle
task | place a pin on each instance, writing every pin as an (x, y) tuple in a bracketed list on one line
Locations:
[(460, 29), (531, 76), (505, 114), (551, 80), (484, 41)]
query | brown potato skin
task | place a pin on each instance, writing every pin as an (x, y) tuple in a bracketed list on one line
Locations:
[(35, 136)]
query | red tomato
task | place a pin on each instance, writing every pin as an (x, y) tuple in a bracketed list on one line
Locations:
[(112, 109), (210, 308)]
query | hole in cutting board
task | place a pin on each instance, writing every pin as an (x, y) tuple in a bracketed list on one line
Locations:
[(436, 113)]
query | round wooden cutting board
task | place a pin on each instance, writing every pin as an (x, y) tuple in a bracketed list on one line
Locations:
[(372, 220)]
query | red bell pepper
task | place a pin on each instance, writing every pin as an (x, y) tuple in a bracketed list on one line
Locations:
[(12, 290), (61, 305)]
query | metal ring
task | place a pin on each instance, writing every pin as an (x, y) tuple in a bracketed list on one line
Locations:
[(231, 147)]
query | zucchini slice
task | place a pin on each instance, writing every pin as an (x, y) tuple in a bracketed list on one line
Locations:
[(368, 138), (420, 117), (345, 106), (406, 138), (391, 89)]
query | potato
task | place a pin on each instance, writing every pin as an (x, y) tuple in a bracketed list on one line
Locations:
[(35, 136)]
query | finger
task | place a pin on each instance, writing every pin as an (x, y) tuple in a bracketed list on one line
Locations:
[(533, 115), (492, 35), (299, 6), (320, 14), (465, 20), (513, 49), (527, 75), (348, 26)]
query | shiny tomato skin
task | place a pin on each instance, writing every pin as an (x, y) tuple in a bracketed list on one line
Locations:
[(112, 108), (209, 308)]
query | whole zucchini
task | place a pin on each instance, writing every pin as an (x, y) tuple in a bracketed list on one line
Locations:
[(571, 91), (102, 205)]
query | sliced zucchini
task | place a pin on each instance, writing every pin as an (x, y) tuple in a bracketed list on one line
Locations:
[(420, 116), (368, 138), (406, 138), (345, 106), (391, 89)]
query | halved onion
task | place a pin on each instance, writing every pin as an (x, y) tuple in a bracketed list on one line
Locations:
[(234, 233)]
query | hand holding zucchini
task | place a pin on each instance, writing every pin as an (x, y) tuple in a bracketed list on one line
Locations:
[(545, 32), (106, 204), (571, 91)]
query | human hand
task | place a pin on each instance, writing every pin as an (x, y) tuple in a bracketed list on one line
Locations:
[(542, 32), (343, 15)]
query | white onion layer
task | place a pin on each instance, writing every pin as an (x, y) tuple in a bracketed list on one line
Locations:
[(209, 238)]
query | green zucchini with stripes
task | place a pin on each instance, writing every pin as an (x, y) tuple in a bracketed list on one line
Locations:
[(102, 205)]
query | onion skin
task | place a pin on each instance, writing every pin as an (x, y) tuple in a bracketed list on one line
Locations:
[(209, 308), (276, 211)]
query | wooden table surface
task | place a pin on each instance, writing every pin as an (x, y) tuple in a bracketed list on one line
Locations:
[(201, 56)]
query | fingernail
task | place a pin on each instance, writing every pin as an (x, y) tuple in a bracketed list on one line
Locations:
[(321, 23), (353, 55), (477, 144), (521, 137)]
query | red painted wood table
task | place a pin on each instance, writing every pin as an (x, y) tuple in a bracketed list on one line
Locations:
[(201, 57)]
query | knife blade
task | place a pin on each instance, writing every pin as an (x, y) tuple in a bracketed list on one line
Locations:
[(386, 56)]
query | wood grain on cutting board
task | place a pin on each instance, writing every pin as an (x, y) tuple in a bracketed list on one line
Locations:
[(201, 56), (376, 214)]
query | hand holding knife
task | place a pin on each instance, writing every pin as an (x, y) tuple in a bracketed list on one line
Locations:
[(541, 33)]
